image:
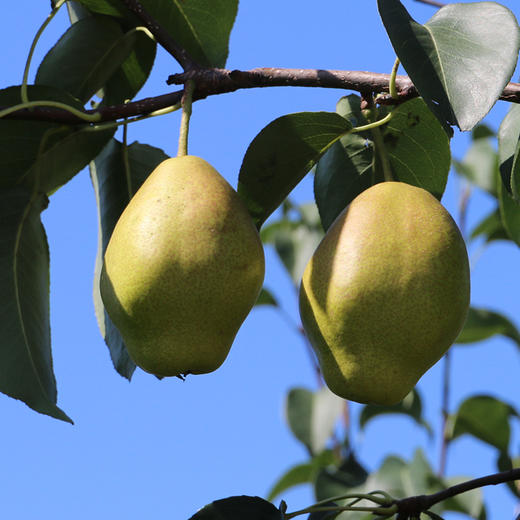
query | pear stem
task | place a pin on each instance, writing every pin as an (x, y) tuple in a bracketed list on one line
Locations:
[(185, 120), (393, 76)]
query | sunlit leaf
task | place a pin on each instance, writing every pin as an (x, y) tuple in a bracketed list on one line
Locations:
[(460, 60), (25, 344), (482, 324), (485, 418), (282, 154)]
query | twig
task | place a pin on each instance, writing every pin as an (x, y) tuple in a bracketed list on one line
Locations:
[(161, 35), (210, 82), (413, 506)]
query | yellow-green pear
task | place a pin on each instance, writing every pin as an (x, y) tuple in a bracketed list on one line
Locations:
[(386, 293), (183, 268)]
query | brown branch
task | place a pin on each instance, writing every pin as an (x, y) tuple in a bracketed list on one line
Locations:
[(161, 35), (210, 82), (412, 506)]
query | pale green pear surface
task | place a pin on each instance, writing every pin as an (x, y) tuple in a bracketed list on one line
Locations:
[(182, 270), (386, 293)]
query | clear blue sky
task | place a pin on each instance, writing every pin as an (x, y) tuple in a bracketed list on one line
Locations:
[(162, 449)]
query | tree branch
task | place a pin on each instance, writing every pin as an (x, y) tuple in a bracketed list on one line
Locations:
[(161, 35), (413, 506), (210, 82)]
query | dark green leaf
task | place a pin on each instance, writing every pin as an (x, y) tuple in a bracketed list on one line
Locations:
[(76, 11), (266, 298), (90, 51), (449, 58), (411, 405), (480, 165), (25, 352), (486, 418), (202, 27), (239, 508), (301, 474), (282, 154), (114, 188), (490, 228), (312, 416), (20, 140), (510, 213), (482, 324), (128, 79), (418, 147), (506, 463), (482, 131), (107, 7), (342, 173), (332, 482)]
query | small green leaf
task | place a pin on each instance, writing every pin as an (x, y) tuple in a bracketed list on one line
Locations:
[(114, 188), (482, 324), (510, 213), (301, 474), (25, 350), (486, 418), (312, 416), (490, 228), (449, 59), (282, 154), (411, 405), (418, 147), (266, 298), (202, 27), (332, 482), (506, 463), (509, 151), (295, 240), (239, 508), (90, 51)]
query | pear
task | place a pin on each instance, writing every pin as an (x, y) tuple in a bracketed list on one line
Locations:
[(386, 293), (183, 268)]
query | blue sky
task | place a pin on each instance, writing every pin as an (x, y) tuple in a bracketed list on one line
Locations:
[(162, 449)]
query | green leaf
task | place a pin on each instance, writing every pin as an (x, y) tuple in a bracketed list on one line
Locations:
[(470, 503), (114, 188), (202, 27), (449, 59), (282, 154), (128, 79), (342, 173), (411, 405), (91, 51), (312, 416), (295, 240), (510, 213), (107, 7), (25, 350), (490, 228), (266, 298), (486, 418), (239, 508), (418, 147), (509, 151), (506, 463), (482, 324), (480, 165), (301, 473), (332, 482)]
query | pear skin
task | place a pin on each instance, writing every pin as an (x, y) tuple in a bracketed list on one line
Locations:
[(183, 268), (386, 293)]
